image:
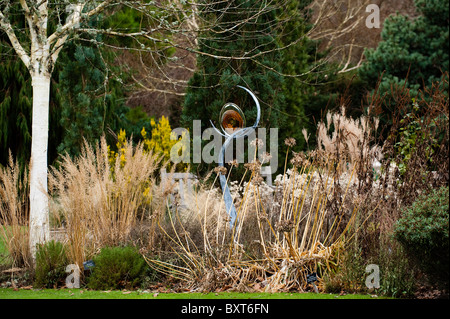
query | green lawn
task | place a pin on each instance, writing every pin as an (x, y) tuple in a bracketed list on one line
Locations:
[(9, 293), (4, 255)]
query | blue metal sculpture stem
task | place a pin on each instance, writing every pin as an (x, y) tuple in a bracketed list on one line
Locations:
[(231, 210)]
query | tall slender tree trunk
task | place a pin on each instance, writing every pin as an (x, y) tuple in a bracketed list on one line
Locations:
[(39, 221), (40, 59)]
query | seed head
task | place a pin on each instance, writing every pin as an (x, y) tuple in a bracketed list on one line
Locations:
[(290, 141)]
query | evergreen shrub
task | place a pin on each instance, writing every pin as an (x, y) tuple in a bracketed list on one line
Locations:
[(424, 233), (116, 268), (51, 263)]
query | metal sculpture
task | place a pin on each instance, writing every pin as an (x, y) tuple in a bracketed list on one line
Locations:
[(232, 123)]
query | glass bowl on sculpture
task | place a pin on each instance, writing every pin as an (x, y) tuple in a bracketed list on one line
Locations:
[(231, 118)]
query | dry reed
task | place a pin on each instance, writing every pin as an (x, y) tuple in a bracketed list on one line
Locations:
[(99, 205), (281, 236), (14, 213)]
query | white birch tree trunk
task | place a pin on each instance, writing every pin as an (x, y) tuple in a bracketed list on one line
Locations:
[(39, 220), (40, 69)]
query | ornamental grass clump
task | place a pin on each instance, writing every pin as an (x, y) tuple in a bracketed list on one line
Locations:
[(282, 234), (14, 213), (100, 206)]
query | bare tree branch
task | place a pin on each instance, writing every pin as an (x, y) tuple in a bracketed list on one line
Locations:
[(7, 28), (335, 23), (71, 23)]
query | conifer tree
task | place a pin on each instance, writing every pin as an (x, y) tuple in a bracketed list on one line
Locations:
[(413, 52), (417, 48), (94, 98), (15, 108), (214, 82), (90, 103), (300, 64)]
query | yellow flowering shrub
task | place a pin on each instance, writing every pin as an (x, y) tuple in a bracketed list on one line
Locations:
[(159, 143), (121, 145)]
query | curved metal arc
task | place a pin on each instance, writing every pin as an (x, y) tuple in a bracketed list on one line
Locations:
[(224, 134), (231, 210), (258, 114), (258, 107)]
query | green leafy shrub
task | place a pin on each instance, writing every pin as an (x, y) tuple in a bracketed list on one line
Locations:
[(397, 276), (348, 275), (410, 136), (424, 233), (51, 263), (117, 267)]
